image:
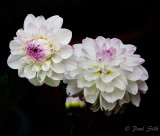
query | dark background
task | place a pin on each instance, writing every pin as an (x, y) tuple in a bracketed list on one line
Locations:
[(40, 110)]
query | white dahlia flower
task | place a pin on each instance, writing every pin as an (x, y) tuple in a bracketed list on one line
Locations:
[(109, 74), (40, 50)]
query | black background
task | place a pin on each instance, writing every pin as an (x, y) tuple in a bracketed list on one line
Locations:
[(42, 108)]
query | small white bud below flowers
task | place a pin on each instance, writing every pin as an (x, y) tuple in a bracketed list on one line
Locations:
[(74, 102)]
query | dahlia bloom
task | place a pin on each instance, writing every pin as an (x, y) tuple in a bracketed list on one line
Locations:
[(109, 74), (40, 50)]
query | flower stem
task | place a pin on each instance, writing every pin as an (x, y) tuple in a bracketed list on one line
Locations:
[(89, 124), (71, 131)]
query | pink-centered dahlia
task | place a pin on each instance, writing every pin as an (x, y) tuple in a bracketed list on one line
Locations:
[(40, 50), (109, 74)]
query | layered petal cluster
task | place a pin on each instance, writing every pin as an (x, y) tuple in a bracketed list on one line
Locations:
[(109, 74), (40, 50)]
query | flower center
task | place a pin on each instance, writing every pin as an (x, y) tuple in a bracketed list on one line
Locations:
[(35, 52), (106, 54), (104, 69), (38, 50)]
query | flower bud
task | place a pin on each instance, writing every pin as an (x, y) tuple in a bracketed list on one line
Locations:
[(74, 102)]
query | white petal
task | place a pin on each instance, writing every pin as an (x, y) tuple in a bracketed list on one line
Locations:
[(56, 76), (103, 86), (18, 39), (125, 67), (87, 55), (29, 19), (31, 28), (36, 67), (100, 41), (120, 52), (126, 99), (40, 20), (41, 76), (84, 83), (49, 73), (145, 73), (89, 46), (62, 36), (107, 113), (118, 108), (113, 96), (51, 82), (108, 77), (42, 31), (21, 71), (23, 35), (96, 106), (92, 76), (133, 60), (57, 46), (120, 82), (142, 86), (16, 48), (117, 61), (135, 75), (58, 68), (12, 61), (65, 52), (67, 77), (130, 49), (70, 64), (54, 22), (108, 88), (56, 58), (13, 44), (24, 60), (28, 72), (72, 88), (46, 65), (35, 81), (135, 99), (108, 45), (78, 50), (100, 84), (91, 94), (76, 72), (116, 43), (90, 64), (106, 105), (132, 87), (35, 35), (50, 33)]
